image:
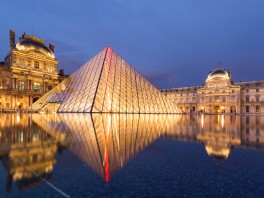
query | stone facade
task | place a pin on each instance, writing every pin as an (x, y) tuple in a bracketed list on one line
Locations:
[(28, 72), (220, 94)]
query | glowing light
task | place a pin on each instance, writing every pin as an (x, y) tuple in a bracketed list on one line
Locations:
[(222, 121), (18, 118)]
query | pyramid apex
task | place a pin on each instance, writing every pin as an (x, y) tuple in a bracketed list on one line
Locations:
[(108, 47)]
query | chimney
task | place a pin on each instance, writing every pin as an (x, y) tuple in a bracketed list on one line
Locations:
[(51, 46), (62, 72), (12, 37), (229, 73)]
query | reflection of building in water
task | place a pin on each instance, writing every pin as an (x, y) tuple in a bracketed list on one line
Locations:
[(252, 131), (220, 94), (27, 152), (106, 142), (219, 133)]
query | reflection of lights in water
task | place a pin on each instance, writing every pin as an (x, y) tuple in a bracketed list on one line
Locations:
[(106, 157), (17, 118), (222, 121), (202, 120)]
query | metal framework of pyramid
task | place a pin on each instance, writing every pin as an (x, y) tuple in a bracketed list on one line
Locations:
[(107, 84)]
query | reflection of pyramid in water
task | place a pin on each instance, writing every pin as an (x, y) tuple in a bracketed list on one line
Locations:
[(106, 142), (106, 83)]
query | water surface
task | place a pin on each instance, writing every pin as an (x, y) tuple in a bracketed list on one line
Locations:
[(118, 155)]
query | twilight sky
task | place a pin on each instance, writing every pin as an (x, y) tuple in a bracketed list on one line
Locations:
[(173, 43)]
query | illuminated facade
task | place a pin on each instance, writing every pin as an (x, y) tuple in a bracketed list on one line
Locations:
[(220, 94), (29, 71), (108, 84)]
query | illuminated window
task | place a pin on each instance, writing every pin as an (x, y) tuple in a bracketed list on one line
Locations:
[(36, 87), (21, 86), (35, 136), (36, 65), (20, 136)]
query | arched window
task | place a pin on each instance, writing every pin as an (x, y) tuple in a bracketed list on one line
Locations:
[(36, 65), (36, 87)]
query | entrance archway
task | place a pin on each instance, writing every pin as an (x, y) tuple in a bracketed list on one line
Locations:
[(217, 109)]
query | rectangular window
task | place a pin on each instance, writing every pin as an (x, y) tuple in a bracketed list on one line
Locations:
[(247, 90), (257, 90), (224, 98), (257, 109), (36, 87), (36, 65), (257, 98), (247, 109), (217, 98), (21, 86), (247, 98), (22, 62)]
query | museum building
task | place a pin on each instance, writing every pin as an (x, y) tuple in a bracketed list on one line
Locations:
[(219, 94), (27, 73)]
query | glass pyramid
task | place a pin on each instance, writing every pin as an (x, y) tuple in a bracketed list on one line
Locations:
[(106, 83)]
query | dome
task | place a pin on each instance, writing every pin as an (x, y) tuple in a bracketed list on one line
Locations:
[(30, 44), (218, 73), (218, 152)]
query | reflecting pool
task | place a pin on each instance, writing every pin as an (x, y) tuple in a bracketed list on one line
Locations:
[(131, 155)]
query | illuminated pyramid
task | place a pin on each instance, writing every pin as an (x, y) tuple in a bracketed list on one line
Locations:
[(106, 83)]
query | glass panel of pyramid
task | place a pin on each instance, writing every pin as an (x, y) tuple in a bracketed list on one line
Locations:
[(107, 84)]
